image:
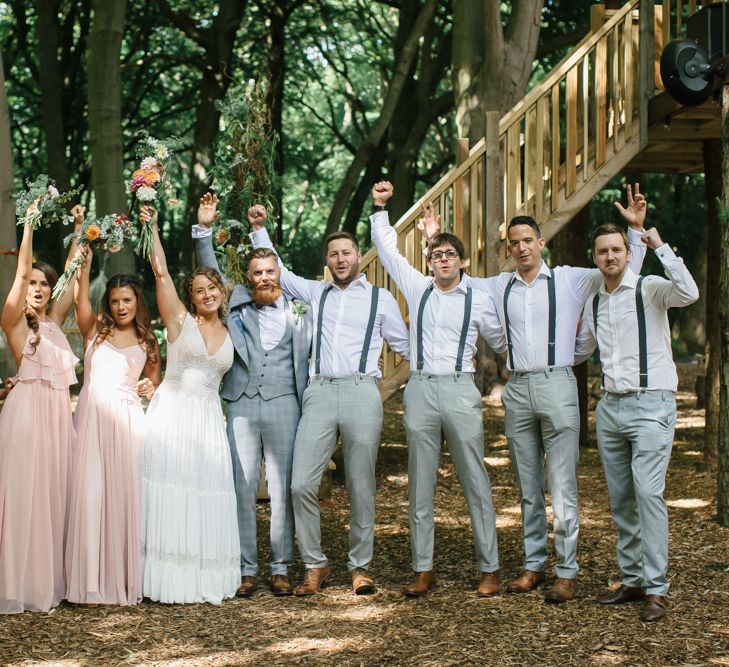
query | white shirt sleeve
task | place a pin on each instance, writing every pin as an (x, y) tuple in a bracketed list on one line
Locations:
[(293, 285), (680, 289), (585, 343), (406, 276), (489, 326), (393, 327), (200, 232)]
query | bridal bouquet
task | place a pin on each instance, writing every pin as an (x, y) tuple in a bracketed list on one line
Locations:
[(42, 204), (150, 180), (108, 233)]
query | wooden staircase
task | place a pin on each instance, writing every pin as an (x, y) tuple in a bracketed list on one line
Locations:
[(599, 111)]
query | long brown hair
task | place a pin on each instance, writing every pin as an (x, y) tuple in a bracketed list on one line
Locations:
[(31, 317), (142, 318), (213, 276)]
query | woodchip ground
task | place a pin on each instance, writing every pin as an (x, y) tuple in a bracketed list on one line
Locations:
[(451, 626)]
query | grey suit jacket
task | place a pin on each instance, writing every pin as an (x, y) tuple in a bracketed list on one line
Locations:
[(236, 379)]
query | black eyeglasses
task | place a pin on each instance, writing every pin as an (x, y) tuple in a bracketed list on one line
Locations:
[(438, 255)]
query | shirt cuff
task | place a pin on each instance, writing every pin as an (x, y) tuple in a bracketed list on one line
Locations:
[(634, 236), (665, 253), (380, 219), (258, 236), (200, 232)]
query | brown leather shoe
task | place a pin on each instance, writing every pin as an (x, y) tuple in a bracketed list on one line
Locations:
[(313, 580), (423, 582), (622, 595), (528, 580), (362, 583), (654, 608), (246, 588), (562, 590), (280, 585), (488, 584)]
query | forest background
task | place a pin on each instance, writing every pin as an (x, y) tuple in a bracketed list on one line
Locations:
[(355, 91)]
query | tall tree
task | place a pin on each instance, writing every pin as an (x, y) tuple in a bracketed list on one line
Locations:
[(378, 128), (8, 239), (105, 124), (492, 58), (215, 63), (722, 481)]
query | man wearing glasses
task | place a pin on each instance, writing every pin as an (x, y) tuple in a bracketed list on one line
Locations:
[(446, 316)]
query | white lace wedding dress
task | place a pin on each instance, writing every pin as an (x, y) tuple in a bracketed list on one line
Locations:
[(190, 544)]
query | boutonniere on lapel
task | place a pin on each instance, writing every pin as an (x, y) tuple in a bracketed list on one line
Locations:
[(299, 309)]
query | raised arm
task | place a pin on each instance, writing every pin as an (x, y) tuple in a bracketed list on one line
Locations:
[(85, 315), (12, 319), (405, 275), (293, 285), (680, 289), (59, 309), (207, 214), (171, 309)]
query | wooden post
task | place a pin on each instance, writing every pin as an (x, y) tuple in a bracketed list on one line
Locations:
[(647, 65), (461, 198), (493, 196), (722, 482)]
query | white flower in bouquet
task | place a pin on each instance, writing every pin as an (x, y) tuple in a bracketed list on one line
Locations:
[(146, 194)]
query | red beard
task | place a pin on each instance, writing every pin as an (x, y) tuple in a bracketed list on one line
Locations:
[(266, 296)]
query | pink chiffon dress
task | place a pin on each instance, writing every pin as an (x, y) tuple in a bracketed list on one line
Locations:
[(103, 548), (36, 445)]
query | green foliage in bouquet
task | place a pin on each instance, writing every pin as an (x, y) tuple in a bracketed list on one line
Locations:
[(43, 205), (244, 173)]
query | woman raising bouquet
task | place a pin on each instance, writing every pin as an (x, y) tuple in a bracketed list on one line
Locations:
[(37, 437), (103, 547), (190, 526)]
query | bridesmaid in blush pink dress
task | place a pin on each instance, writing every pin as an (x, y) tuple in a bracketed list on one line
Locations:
[(103, 550), (36, 438)]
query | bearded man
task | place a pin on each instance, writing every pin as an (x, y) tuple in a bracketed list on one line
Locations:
[(264, 388)]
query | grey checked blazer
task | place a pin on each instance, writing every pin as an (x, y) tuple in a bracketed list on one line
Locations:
[(236, 379)]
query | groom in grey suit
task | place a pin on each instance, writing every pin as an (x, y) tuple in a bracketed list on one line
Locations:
[(264, 387)]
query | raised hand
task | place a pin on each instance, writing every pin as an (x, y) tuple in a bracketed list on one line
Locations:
[(652, 238), (634, 214), (429, 222), (78, 215), (207, 212), (257, 217), (148, 214), (381, 193)]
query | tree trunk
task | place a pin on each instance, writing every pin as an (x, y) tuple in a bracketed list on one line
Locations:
[(712, 171), (8, 238), (218, 42), (51, 89), (105, 128), (569, 247), (722, 483), (369, 145)]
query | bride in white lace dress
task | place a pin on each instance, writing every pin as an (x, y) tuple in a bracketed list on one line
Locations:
[(190, 541)]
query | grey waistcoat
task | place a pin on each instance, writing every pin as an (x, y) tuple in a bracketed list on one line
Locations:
[(270, 372)]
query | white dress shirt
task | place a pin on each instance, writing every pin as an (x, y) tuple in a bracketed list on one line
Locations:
[(345, 318), (444, 311), (529, 308), (271, 319), (617, 324)]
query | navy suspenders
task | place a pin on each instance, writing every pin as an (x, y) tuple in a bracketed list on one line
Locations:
[(464, 327), (552, 331), (368, 333), (642, 336)]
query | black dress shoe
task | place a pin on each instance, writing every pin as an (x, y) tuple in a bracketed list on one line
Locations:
[(622, 595)]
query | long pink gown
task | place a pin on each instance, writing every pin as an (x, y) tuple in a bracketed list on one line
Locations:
[(36, 444), (103, 549)]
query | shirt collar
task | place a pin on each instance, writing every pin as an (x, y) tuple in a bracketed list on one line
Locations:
[(628, 281), (460, 287), (359, 281), (543, 271)]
